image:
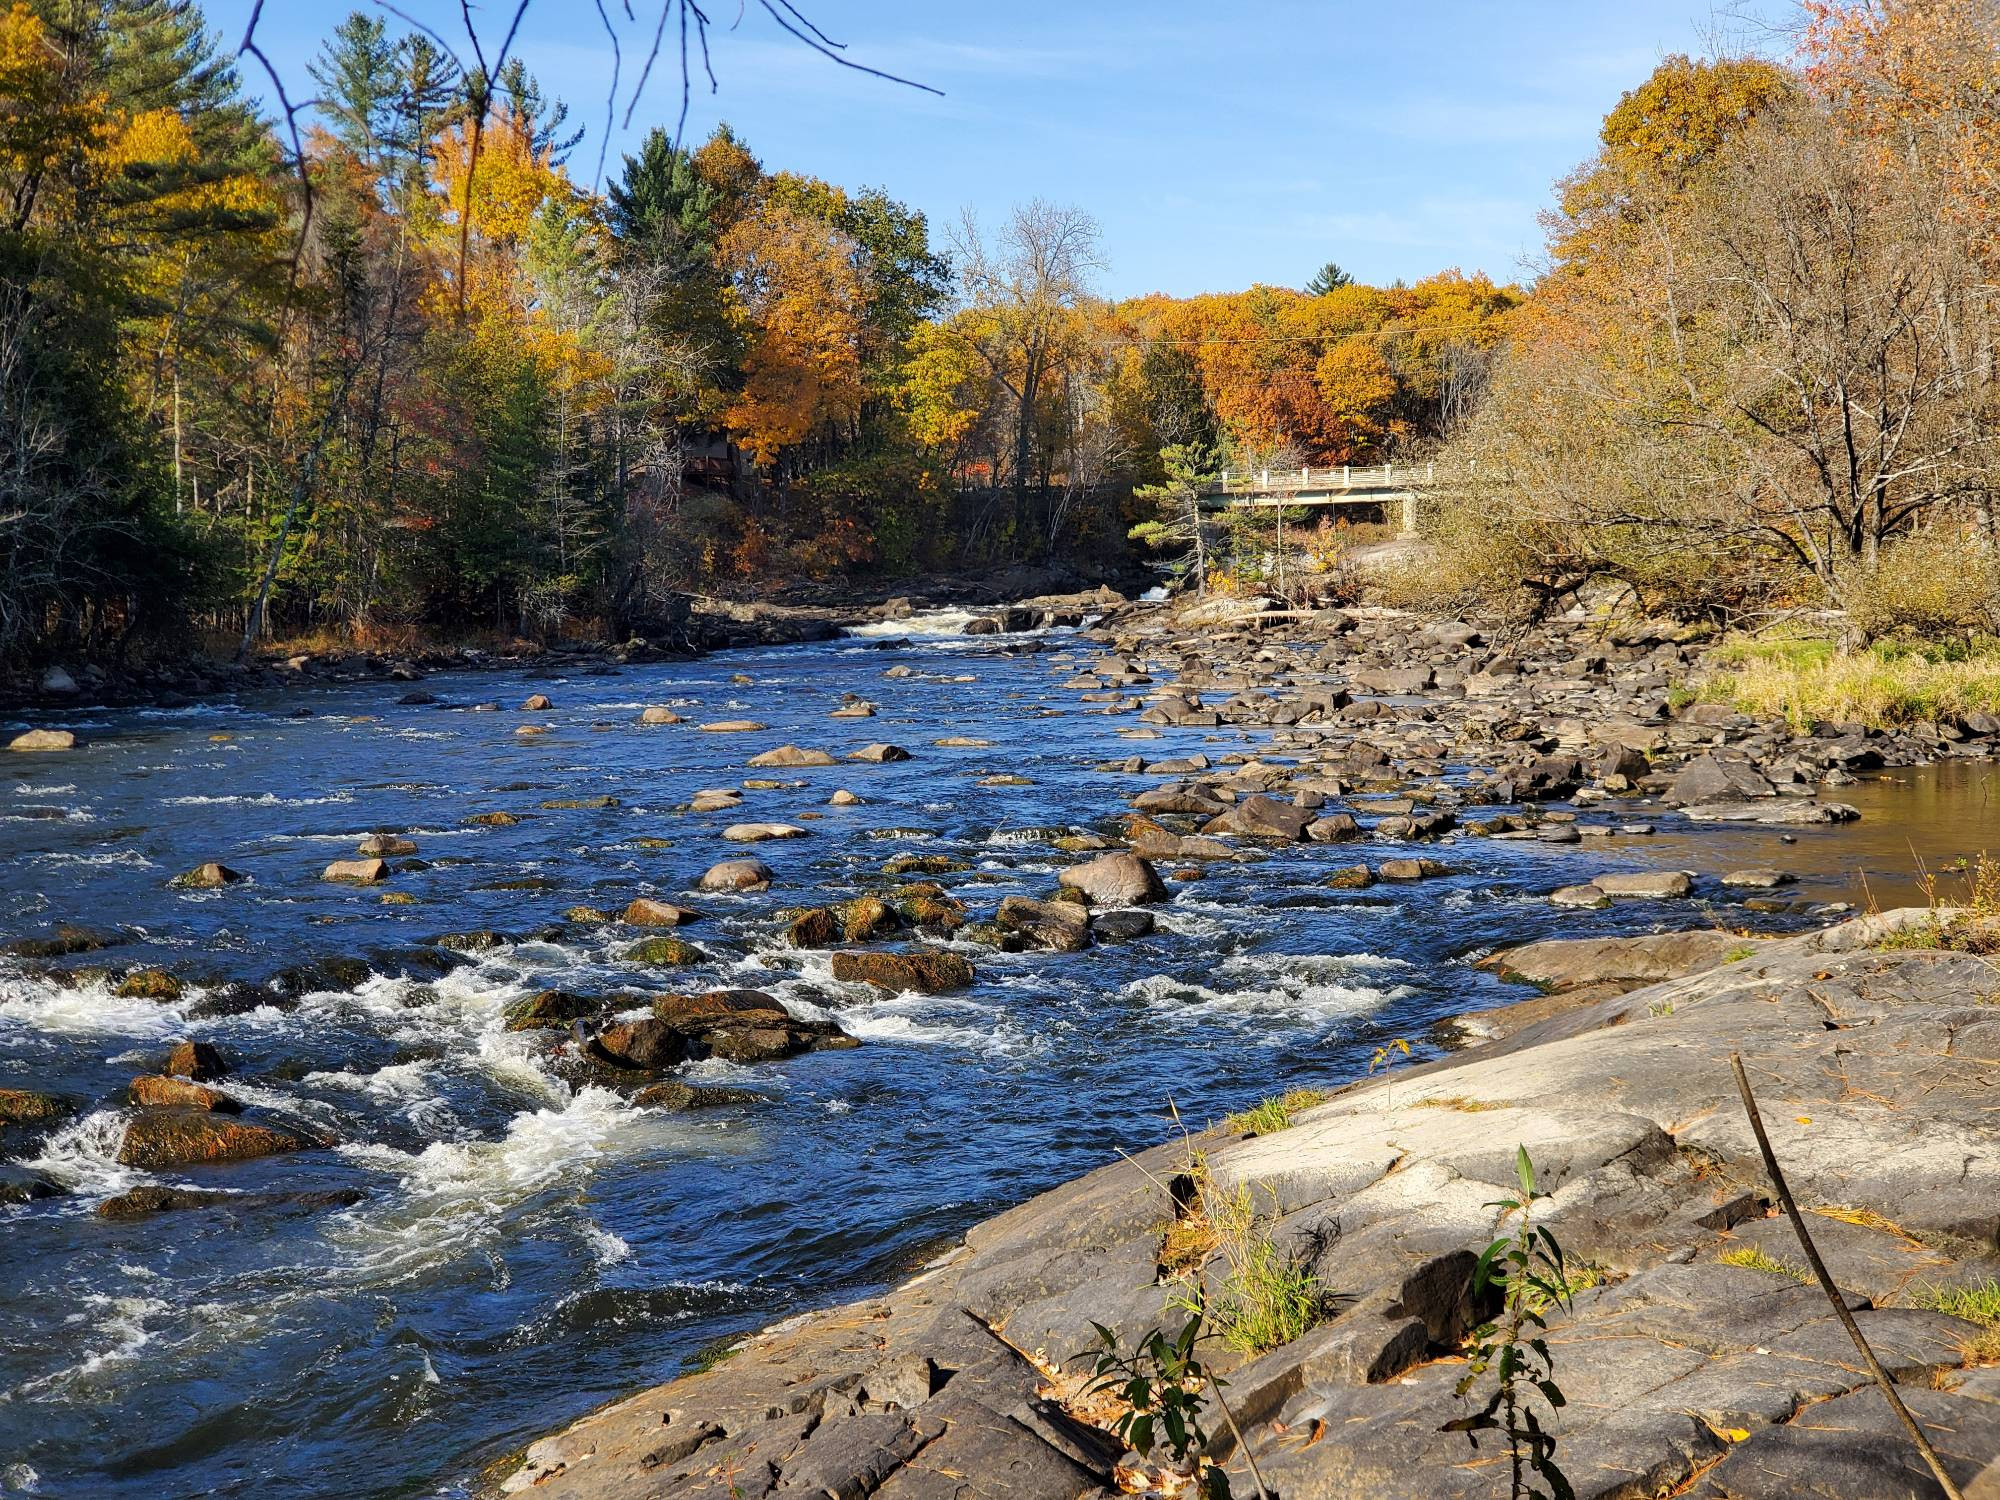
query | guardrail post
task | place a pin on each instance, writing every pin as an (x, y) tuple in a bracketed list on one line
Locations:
[(1306, 477), (1388, 472), (1347, 476), (1431, 474), (1267, 479)]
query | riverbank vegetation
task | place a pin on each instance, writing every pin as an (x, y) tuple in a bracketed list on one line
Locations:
[(421, 379), (1758, 371)]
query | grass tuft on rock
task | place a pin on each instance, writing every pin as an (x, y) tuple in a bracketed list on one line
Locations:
[(1977, 1303), (1757, 1258), (1274, 1114)]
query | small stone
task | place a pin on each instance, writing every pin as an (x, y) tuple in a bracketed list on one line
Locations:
[(843, 798), (536, 703), (529, 731), (660, 716)]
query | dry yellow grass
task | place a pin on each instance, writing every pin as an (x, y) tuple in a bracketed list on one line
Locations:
[(1806, 681)]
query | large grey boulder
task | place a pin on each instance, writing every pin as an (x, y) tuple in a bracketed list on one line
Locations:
[(1116, 880), (1708, 778)]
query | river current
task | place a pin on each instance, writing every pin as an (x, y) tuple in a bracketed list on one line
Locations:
[(524, 1249)]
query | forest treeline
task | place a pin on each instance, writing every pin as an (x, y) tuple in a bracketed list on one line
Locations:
[(1757, 375), (433, 383)]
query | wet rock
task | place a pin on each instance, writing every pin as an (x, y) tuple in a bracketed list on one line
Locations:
[(677, 1096), (816, 927), (644, 911), (356, 871), (732, 726), (43, 739), (201, 1062), (927, 971), (660, 716), (476, 940), (143, 1202), (153, 1091), (791, 755), (715, 799), (1756, 880), (1579, 897), (167, 1138), (924, 864), (551, 1010), (20, 1185), (494, 820), (573, 804), (337, 974), (647, 1046), (1334, 828), (1779, 810), (1408, 869), (737, 875), (866, 919), (664, 953), (757, 833), (206, 877), (1122, 926), (1263, 817), (926, 905), (536, 703), (1351, 878), (879, 753), (149, 984), (843, 798), (384, 846), (1647, 885), (65, 942), (1116, 880), (1707, 779), (19, 1107), (1057, 926), (744, 1026)]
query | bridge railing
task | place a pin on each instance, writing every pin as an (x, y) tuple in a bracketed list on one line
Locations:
[(1265, 481)]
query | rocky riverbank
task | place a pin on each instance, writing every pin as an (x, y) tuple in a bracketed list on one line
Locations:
[(1694, 1358), (1693, 1355)]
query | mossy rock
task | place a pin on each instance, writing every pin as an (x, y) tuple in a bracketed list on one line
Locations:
[(815, 927), (149, 984), (573, 804), (925, 864), (64, 942), (675, 1095), (927, 971), (665, 953), (650, 842), (993, 935), (591, 914), (494, 820), (479, 940), (866, 918), (397, 898), (27, 1107), (551, 1010)]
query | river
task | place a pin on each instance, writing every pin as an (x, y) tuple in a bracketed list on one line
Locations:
[(524, 1249)]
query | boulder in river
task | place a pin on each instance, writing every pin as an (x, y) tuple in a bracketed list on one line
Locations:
[(65, 942), (1579, 898), (1708, 778), (159, 1139), (1778, 811), (201, 1061), (757, 833), (551, 1010), (149, 984), (1334, 828), (1645, 885), (732, 726), (644, 911), (676, 1096), (715, 799), (1408, 869), (536, 703), (1122, 926), (928, 971), (657, 715), (1350, 878), (356, 871), (744, 1026), (843, 798), (791, 755), (43, 739), (879, 753), (206, 877), (737, 875), (27, 1107), (384, 846), (664, 952), (649, 1045), (1568, 963), (1116, 880), (156, 1091), (1262, 817), (1059, 926), (143, 1202), (1756, 880)]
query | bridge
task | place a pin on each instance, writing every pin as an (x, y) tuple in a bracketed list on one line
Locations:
[(1380, 486)]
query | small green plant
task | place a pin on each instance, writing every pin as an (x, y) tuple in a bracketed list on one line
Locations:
[(1757, 1258), (1737, 955), (1979, 1303), (1382, 1059), (1268, 1116), (1657, 1008), (1160, 1385), (1528, 1271)]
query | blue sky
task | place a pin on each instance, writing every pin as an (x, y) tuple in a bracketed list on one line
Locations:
[(1217, 144)]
